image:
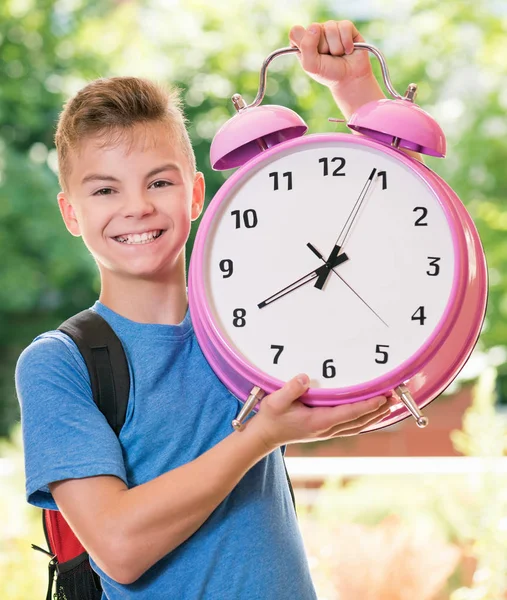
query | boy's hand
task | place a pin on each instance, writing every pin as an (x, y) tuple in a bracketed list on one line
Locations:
[(283, 419), (328, 56), (327, 52)]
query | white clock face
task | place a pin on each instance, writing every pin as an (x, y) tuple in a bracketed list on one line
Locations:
[(359, 209)]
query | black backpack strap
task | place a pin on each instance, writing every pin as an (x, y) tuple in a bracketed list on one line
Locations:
[(106, 362)]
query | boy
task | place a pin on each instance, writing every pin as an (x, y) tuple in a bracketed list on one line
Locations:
[(179, 507)]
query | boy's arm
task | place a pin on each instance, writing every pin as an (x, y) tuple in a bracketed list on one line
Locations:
[(128, 530), (328, 56)]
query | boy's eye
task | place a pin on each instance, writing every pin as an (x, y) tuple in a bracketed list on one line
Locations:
[(103, 192), (160, 183)]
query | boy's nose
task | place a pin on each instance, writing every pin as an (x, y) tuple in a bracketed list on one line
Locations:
[(137, 205)]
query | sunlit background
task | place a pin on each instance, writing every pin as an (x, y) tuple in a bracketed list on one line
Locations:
[(393, 515)]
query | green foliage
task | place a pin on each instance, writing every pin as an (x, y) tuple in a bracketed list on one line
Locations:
[(50, 48)]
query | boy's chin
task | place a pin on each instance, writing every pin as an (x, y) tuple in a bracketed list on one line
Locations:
[(141, 271)]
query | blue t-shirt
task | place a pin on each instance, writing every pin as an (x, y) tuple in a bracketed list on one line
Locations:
[(250, 547)]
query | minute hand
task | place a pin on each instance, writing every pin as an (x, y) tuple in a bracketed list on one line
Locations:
[(302, 281), (340, 240)]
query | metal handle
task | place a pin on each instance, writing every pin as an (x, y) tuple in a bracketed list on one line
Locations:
[(255, 396), (292, 50), (406, 397)]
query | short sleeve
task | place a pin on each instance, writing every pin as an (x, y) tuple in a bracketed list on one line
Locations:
[(65, 436)]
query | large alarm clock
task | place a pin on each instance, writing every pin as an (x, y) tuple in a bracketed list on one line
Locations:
[(338, 255)]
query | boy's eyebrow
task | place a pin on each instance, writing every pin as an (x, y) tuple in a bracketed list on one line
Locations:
[(152, 173)]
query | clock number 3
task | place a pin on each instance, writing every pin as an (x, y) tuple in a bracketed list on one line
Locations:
[(434, 263)]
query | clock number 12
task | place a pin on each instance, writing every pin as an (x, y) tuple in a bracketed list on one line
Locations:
[(336, 172)]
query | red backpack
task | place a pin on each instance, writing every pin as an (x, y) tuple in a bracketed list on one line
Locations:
[(105, 359)]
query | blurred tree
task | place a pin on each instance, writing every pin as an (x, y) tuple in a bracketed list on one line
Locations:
[(50, 48)]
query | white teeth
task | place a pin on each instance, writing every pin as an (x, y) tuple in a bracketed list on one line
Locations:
[(139, 238)]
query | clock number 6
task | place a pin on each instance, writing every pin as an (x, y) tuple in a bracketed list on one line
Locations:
[(328, 369), (239, 315)]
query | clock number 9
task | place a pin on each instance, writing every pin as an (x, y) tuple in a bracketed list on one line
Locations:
[(239, 315), (328, 369), (336, 172), (227, 267)]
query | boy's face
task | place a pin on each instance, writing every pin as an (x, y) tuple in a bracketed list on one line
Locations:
[(133, 202)]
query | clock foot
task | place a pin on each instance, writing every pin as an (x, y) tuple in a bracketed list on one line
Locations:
[(406, 397), (256, 395)]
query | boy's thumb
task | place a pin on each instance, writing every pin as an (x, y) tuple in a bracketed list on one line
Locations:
[(292, 390)]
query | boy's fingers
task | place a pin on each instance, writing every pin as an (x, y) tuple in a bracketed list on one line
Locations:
[(329, 418), (296, 35), (353, 411), (355, 430), (333, 37), (308, 44), (349, 34), (362, 422)]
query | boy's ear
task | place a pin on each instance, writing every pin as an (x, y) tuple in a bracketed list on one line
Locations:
[(198, 196), (68, 214)]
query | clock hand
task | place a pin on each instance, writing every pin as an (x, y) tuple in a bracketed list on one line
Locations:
[(340, 241), (302, 281), (317, 253)]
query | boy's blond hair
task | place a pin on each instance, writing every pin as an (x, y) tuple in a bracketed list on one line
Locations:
[(110, 108)]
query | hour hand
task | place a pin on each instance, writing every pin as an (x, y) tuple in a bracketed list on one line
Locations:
[(334, 260)]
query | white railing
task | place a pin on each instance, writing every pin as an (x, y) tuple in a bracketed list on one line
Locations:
[(317, 468)]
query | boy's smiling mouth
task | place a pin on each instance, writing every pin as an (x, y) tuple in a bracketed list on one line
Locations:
[(139, 238)]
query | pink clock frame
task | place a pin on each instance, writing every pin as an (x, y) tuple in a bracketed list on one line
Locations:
[(427, 372)]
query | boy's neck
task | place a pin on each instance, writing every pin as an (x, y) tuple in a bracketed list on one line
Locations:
[(146, 301)]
